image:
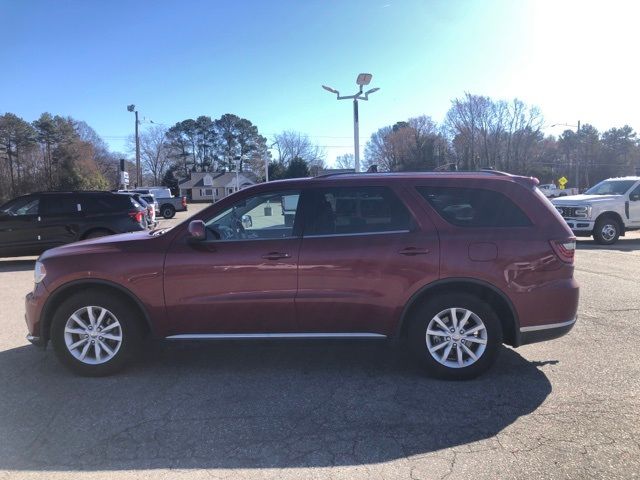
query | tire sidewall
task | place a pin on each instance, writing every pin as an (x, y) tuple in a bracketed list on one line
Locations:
[(128, 324), (600, 223), (423, 314), (168, 212)]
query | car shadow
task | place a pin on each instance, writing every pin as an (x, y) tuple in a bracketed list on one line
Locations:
[(251, 405), (622, 245), (16, 265)]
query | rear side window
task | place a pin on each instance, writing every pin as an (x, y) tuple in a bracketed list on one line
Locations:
[(474, 207), (354, 210), (59, 205), (105, 203)]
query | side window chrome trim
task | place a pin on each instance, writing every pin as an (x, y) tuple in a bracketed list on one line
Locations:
[(389, 232)]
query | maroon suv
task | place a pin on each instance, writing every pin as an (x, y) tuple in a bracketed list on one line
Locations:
[(455, 264)]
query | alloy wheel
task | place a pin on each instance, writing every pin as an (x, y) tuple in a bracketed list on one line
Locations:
[(93, 335), (456, 337)]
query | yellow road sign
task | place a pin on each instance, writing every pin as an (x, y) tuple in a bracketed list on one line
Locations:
[(563, 181)]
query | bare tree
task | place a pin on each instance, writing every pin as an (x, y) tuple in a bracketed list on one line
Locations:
[(289, 145), (154, 152), (345, 161)]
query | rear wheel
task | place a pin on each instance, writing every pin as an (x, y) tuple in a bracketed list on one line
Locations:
[(95, 333), (168, 211), (606, 231), (455, 336)]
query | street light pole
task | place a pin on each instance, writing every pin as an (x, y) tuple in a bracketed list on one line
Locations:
[(132, 108), (356, 136), (362, 80)]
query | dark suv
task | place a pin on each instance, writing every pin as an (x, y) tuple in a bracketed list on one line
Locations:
[(454, 264), (31, 224)]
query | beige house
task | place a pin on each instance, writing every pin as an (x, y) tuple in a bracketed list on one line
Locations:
[(213, 186)]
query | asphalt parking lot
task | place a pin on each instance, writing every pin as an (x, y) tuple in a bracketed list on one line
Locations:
[(569, 408)]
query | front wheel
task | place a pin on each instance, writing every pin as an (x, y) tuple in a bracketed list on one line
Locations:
[(455, 336), (95, 333), (606, 231)]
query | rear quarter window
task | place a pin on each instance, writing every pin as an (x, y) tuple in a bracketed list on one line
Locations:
[(474, 207), (106, 203)]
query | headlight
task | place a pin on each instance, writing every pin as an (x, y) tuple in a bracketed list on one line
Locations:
[(583, 212), (39, 272)]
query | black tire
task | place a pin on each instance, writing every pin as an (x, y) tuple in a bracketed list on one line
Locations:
[(129, 331), (168, 211), (606, 231), (417, 336), (97, 233)]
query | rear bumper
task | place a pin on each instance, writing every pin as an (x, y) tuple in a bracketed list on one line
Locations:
[(542, 333)]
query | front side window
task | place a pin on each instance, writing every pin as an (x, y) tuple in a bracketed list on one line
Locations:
[(611, 187), (356, 210), (59, 205), (22, 206), (264, 216), (474, 207), (635, 194)]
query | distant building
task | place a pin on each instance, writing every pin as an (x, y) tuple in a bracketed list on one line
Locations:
[(213, 186)]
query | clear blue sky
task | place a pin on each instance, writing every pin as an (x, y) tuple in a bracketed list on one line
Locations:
[(266, 61)]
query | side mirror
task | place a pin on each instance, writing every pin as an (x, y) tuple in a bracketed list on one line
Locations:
[(197, 230), (247, 221)]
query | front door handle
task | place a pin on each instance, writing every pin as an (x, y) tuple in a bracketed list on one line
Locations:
[(411, 251), (275, 255)]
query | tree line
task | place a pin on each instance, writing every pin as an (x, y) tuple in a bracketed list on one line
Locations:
[(480, 132), (51, 153), (55, 152)]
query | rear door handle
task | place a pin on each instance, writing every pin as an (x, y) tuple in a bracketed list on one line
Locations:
[(275, 255), (411, 251)]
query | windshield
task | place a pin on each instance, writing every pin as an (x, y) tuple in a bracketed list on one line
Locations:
[(611, 187)]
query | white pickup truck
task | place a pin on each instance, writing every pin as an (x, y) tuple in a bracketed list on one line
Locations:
[(606, 211), (551, 191)]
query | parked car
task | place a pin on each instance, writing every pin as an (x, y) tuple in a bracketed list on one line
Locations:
[(606, 211), (148, 201), (551, 191), (169, 204), (31, 224), (454, 264)]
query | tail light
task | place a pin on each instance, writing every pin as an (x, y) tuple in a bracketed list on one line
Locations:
[(564, 249), (136, 216), (184, 201)]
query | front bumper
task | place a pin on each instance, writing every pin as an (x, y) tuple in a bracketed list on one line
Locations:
[(580, 225), (37, 341), (33, 303), (542, 333)]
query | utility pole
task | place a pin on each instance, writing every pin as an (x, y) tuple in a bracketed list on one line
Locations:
[(138, 173), (578, 158)]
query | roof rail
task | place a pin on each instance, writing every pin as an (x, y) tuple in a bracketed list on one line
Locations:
[(495, 172), (489, 171), (334, 174)]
